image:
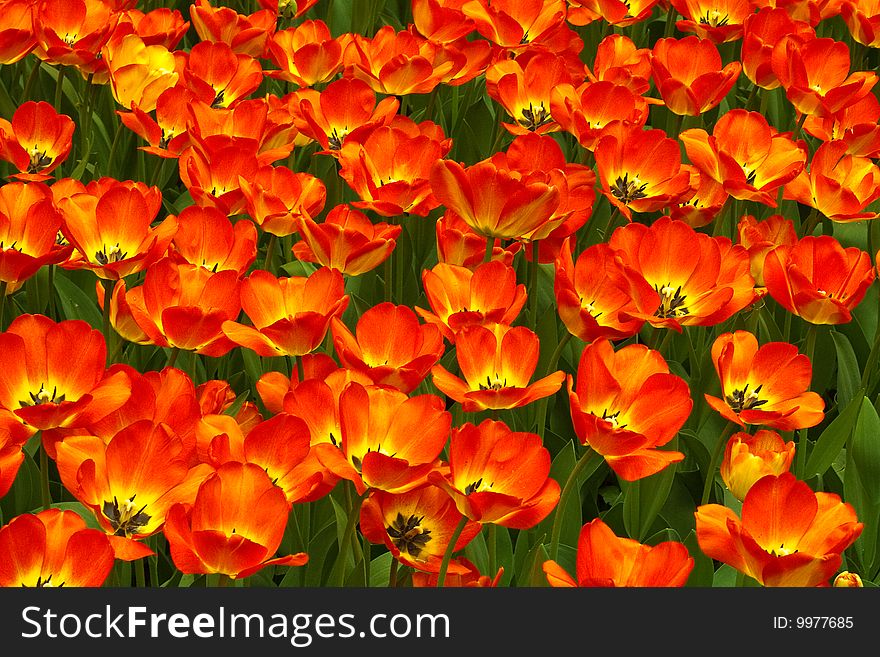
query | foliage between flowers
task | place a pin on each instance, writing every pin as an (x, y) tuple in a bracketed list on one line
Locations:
[(439, 292)]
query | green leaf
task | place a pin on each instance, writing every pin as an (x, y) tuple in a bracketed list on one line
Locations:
[(75, 303), (703, 573), (865, 450), (24, 495), (380, 568), (643, 499), (833, 439), (848, 373)]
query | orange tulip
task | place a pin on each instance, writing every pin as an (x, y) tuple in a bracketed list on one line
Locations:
[(72, 32), (855, 125), (819, 280), (400, 63), (459, 244), (130, 503), (746, 155), (219, 76), (761, 237), (619, 61), (815, 75), (344, 106), (441, 21), (719, 21), (497, 202), (606, 560), (245, 34), (346, 240), (459, 296), (226, 531), (247, 123), (37, 140), (497, 362), (180, 306), (389, 346), (839, 185), (701, 280), (863, 20), (212, 175), (16, 31), (517, 25), (390, 442), (689, 74), (279, 445), (534, 152), (748, 458), (111, 228), (166, 397), (389, 167), (499, 476), (762, 32), (640, 170), (161, 26), (764, 385), (706, 203), (138, 72), (277, 199), (166, 133), (626, 405), (416, 527), (290, 315), (42, 386), (53, 548), (207, 238), (596, 294), (787, 536), (621, 13), (523, 86), (273, 386), (584, 111), (847, 579), (306, 54), (29, 225)]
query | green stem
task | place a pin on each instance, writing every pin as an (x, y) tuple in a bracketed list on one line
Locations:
[(490, 246), (871, 363), (45, 495), (108, 296), (589, 457), (612, 218), (450, 548), (117, 136), (153, 542), (32, 79), (798, 126), (533, 285), (669, 28), (140, 574), (269, 263), (337, 575), (392, 573), (3, 286), (300, 370), (551, 367), (811, 222), (492, 545), (801, 453), (59, 84), (172, 357), (716, 457)]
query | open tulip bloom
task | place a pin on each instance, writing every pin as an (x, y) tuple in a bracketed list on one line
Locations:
[(426, 293)]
